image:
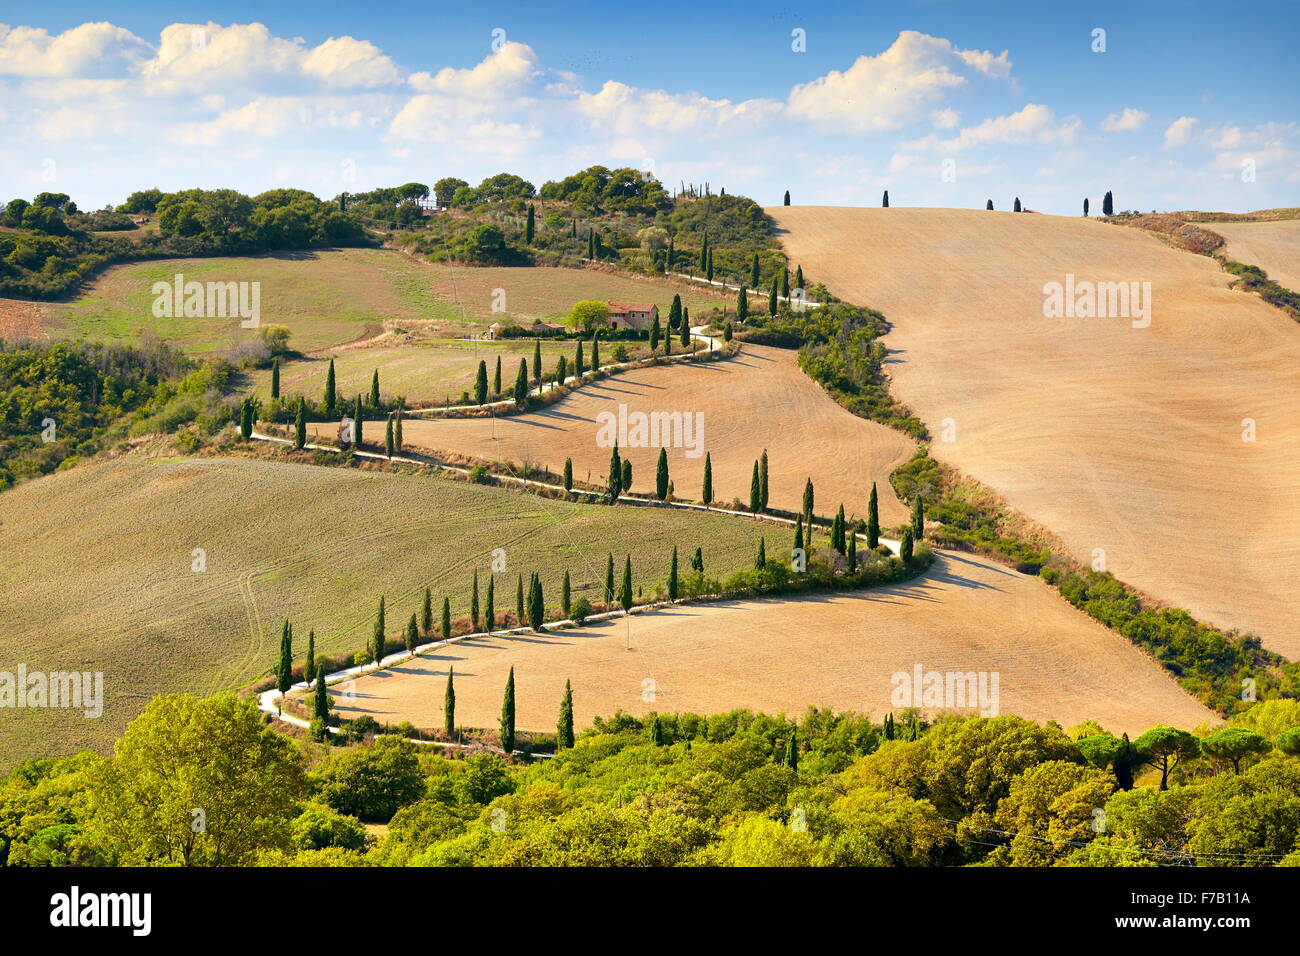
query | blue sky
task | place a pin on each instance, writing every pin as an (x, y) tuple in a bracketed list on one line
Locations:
[(942, 103)]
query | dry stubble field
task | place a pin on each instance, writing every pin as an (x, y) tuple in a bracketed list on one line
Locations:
[(96, 569), (838, 651), (1117, 438), (1273, 246), (759, 399)]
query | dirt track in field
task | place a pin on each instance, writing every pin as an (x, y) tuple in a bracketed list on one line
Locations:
[(838, 651), (1128, 440), (759, 399), (1273, 246)]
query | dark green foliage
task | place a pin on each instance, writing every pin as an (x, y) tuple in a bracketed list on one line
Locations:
[(331, 393), (566, 598), (473, 603), (706, 494), (884, 202), (309, 665), (449, 705), (905, 546), (661, 475), (426, 619), (284, 672), (496, 377), (873, 520), (786, 201), (838, 542), (918, 518), (379, 637), (481, 383), (446, 618), (521, 384), (508, 715), (300, 426), (412, 635), (564, 727), (672, 576), (374, 390), (697, 560), (755, 491), (760, 560), (626, 480), (568, 474), (275, 378), (625, 591), (1108, 204), (489, 606), (609, 580)]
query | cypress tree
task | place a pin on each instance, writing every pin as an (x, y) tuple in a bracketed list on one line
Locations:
[(1016, 207), (798, 532), (672, 253), (426, 619), (837, 532), (566, 598), (388, 436), (489, 607), (536, 604), (561, 370), (309, 667), (905, 546), (989, 205), (521, 384), (672, 576), (530, 226), (358, 420), (1085, 206), (661, 475), (246, 419), (627, 475), (884, 202), (591, 244), (537, 361), (668, 345), (762, 480), (918, 518), (564, 729), (709, 270), (697, 560), (707, 493), (853, 551), (787, 198), (300, 426), (284, 672), (615, 482), (578, 368), (446, 618), (1107, 204), (761, 561), (753, 272), (888, 727), (755, 492), (330, 396), (275, 378), (654, 335), (675, 312), (519, 601), (686, 328), (374, 390), (496, 379), (742, 304), (568, 474), (808, 506), (397, 429), (657, 736), (771, 299), (595, 351), (609, 580), (473, 603), (378, 640), (792, 750), (449, 705), (481, 383), (508, 715), (798, 278), (412, 634), (573, 229), (321, 711), (625, 592), (785, 283), (873, 520)]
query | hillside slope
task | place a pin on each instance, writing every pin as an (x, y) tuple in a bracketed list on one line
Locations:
[(840, 651), (1273, 246), (1123, 439)]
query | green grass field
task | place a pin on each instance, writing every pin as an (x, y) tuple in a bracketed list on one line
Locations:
[(96, 567), (424, 370), (334, 296)]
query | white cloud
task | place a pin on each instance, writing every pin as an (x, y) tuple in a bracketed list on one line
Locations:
[(623, 109), (1179, 132), (886, 91), (89, 50), (945, 119), (1034, 125), (1129, 121), (344, 61), (501, 74)]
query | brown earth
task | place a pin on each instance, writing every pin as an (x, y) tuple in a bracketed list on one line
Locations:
[(1273, 246), (1123, 439), (966, 614), (759, 399)]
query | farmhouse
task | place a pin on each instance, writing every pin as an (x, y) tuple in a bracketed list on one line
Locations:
[(632, 315)]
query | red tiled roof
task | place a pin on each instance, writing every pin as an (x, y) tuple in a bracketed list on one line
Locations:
[(631, 306)]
